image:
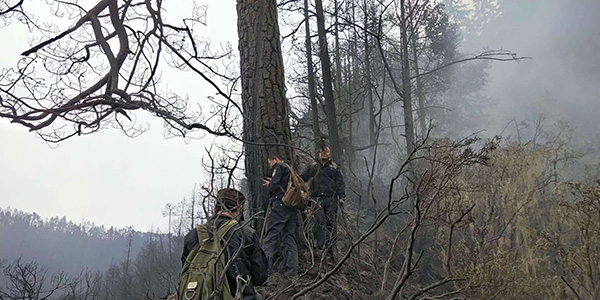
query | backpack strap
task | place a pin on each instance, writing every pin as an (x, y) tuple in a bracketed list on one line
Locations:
[(205, 234), (291, 173), (290, 180), (222, 231)]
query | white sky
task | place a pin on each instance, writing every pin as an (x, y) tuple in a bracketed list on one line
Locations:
[(106, 178)]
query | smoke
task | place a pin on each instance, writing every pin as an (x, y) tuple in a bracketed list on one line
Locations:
[(561, 79)]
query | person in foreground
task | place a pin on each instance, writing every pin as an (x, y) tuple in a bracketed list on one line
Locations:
[(244, 261)]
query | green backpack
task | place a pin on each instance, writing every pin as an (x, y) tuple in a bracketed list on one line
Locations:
[(203, 276)]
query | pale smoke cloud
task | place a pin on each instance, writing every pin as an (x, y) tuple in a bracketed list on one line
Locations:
[(563, 37)]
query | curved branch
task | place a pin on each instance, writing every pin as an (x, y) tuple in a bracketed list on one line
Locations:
[(12, 8), (87, 17)]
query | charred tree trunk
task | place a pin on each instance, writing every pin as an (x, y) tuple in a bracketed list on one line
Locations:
[(351, 83), (406, 88), (419, 91), (337, 57), (266, 115), (311, 83), (369, 83), (409, 125), (332, 129), (339, 93)]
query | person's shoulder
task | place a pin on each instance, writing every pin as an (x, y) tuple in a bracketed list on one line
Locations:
[(195, 229), (192, 234), (284, 166), (245, 230), (334, 165)]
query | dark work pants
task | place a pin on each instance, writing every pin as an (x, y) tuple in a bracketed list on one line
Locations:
[(280, 238), (325, 216)]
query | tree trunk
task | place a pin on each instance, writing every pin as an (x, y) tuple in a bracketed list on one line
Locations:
[(419, 91), (337, 56), (332, 129), (406, 88), (338, 95), (342, 96), (266, 117), (311, 83), (351, 83), (370, 103), (409, 127)]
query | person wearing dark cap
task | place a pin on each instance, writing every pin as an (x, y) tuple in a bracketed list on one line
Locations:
[(244, 257)]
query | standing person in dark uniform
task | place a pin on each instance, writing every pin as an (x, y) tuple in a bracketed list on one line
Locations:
[(248, 262), (328, 189), (280, 228)]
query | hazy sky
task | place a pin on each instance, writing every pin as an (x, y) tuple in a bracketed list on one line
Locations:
[(106, 178)]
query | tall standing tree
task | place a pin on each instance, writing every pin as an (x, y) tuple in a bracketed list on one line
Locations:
[(409, 124), (330, 111), (368, 79), (311, 80), (266, 108)]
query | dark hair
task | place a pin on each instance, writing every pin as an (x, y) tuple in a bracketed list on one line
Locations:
[(229, 199), (323, 145), (274, 156)]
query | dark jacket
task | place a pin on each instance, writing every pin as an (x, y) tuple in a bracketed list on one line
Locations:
[(279, 181), (327, 180), (251, 260)]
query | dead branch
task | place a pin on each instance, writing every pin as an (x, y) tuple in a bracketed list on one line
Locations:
[(104, 67)]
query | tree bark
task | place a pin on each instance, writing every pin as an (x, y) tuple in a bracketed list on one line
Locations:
[(311, 83), (419, 91), (266, 108), (409, 125), (370, 103), (337, 55), (332, 129), (406, 88), (351, 81), (338, 92)]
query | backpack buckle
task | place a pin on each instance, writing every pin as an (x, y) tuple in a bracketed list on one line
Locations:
[(192, 285), (187, 295)]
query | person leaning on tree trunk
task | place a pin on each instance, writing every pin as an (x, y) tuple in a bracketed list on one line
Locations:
[(328, 191), (281, 222)]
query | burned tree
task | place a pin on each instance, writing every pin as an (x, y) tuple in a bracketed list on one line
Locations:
[(266, 118), (330, 110), (27, 280)]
